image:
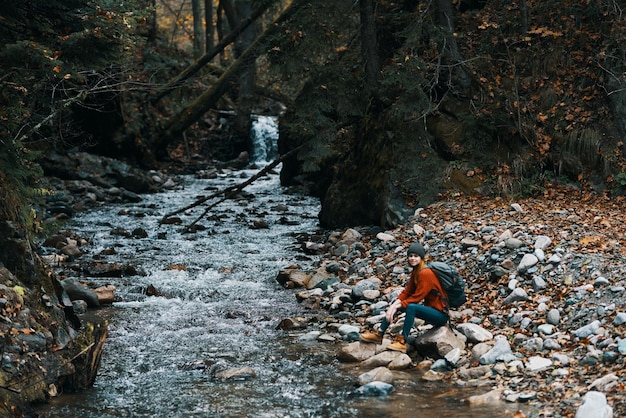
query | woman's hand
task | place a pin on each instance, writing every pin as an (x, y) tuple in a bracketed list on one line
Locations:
[(391, 312)]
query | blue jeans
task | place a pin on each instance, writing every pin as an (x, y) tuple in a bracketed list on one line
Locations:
[(416, 310)]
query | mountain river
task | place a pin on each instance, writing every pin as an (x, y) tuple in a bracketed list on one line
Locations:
[(220, 306)]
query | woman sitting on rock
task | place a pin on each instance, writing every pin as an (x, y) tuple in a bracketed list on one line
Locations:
[(422, 286)]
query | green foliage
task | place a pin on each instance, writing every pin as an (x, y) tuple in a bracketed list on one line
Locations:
[(47, 48), (620, 178)]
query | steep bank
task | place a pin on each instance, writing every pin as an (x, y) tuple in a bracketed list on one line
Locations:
[(47, 348)]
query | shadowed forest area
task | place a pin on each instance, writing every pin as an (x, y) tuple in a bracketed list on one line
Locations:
[(384, 106)]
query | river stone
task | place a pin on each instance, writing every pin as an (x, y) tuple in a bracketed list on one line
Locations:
[(71, 250), (371, 294), (291, 323), (363, 285), (106, 294), (528, 261), (439, 341), (517, 295), (605, 383), (620, 319), (553, 317), (385, 237), (587, 330), (478, 372), (432, 376), (318, 277), (474, 333), (500, 351), (454, 356), (542, 242), (546, 329), (294, 275), (79, 306), (379, 374), (538, 363), (375, 389), (551, 344), (594, 406), (347, 329), (356, 352), (538, 283), (393, 360), (505, 236), (513, 243), (470, 243), (351, 235), (236, 373), (310, 336), (493, 396), (77, 291)]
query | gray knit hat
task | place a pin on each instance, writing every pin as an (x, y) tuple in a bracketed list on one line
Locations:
[(416, 248)]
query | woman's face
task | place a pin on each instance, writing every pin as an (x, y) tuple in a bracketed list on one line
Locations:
[(414, 260)]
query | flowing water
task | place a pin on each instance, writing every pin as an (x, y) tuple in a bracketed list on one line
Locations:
[(220, 306)]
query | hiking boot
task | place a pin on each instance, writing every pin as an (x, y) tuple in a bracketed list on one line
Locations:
[(398, 345), (371, 337)]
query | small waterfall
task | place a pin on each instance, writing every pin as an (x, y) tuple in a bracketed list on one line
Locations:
[(264, 136)]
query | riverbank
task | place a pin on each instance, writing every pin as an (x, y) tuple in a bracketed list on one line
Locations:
[(546, 283), (547, 274)]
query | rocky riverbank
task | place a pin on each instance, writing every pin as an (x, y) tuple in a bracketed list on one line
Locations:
[(48, 346), (544, 323)]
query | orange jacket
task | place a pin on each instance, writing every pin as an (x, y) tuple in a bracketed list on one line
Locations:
[(420, 287)]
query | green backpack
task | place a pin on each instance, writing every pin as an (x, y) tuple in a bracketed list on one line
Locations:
[(452, 283)]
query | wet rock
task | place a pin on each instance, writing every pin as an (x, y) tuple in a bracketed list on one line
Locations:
[(291, 324), (102, 269), (236, 373), (106, 294), (375, 389), (293, 277), (120, 232), (356, 352), (78, 291), (71, 250), (493, 396), (79, 306), (393, 360), (140, 233), (379, 374)]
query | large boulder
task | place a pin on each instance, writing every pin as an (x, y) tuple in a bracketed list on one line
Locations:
[(438, 342)]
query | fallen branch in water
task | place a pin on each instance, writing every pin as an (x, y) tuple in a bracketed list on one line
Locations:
[(226, 193)]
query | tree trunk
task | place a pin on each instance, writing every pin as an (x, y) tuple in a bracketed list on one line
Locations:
[(206, 58), (369, 47), (198, 32), (245, 97), (175, 126), (445, 17), (209, 41)]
